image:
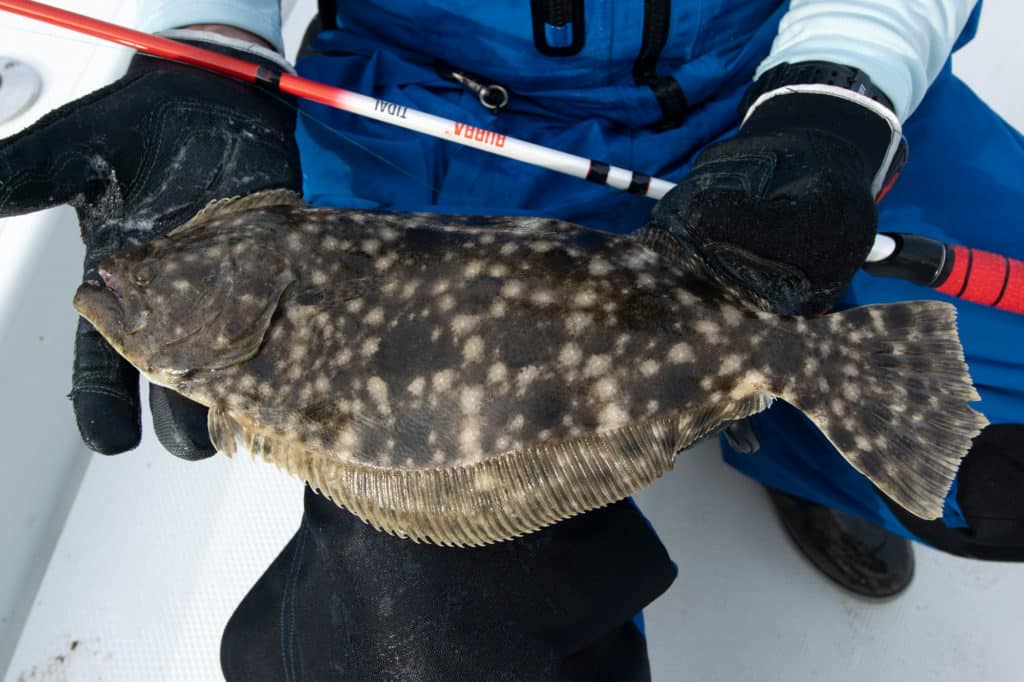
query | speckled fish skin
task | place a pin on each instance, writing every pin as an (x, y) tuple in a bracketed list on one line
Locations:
[(464, 380)]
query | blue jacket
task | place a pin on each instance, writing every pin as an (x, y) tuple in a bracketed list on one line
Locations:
[(642, 90)]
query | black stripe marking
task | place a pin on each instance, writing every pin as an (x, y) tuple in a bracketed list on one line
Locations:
[(639, 184), (1006, 281), (598, 172), (967, 275)]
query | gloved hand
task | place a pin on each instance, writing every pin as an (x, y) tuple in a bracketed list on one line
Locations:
[(785, 209), (135, 159)]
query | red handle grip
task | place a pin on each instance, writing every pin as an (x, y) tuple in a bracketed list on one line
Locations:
[(986, 278)]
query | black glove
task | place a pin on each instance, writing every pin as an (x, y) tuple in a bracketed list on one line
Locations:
[(785, 209), (135, 159)]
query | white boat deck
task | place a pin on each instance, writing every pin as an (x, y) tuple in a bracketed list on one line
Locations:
[(125, 569)]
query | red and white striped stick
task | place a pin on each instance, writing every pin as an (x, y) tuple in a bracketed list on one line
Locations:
[(352, 102)]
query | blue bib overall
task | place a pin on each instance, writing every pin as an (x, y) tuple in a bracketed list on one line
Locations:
[(647, 91)]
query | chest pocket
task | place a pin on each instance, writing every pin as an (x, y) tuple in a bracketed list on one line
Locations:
[(559, 31)]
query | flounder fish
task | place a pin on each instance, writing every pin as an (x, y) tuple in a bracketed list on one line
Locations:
[(465, 380)]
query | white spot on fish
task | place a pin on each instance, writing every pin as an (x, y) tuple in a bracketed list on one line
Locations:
[(576, 323), (473, 350), (385, 262), (416, 386), (409, 288), (570, 355), (471, 399), (512, 289), (733, 317), (498, 270), (473, 269), (348, 439), (606, 388), (469, 439), (497, 373), (542, 298), (597, 365), (585, 298), (463, 324), (369, 347), (637, 260), (681, 352), (599, 267), (612, 416), (730, 364), (707, 329), (526, 376), (442, 381)]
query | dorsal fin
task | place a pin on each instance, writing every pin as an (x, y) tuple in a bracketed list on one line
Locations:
[(229, 205), (669, 246)]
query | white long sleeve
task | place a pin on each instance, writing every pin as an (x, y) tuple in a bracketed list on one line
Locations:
[(900, 44), (261, 17)]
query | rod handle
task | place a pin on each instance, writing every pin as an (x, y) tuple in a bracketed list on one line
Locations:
[(971, 274), (986, 278)]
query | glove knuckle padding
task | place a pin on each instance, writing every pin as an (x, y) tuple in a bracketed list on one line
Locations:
[(788, 216)]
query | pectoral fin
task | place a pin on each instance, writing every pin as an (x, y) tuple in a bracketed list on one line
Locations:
[(224, 430)]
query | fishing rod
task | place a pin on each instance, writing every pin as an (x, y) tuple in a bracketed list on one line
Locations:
[(971, 274)]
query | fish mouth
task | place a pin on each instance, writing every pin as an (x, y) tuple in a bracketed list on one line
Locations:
[(111, 283), (100, 305)]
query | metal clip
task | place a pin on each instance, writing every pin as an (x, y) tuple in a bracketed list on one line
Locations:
[(492, 97)]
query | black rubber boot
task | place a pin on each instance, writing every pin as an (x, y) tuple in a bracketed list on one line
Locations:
[(855, 553), (346, 602)]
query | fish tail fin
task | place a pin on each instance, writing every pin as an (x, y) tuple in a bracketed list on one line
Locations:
[(889, 387)]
